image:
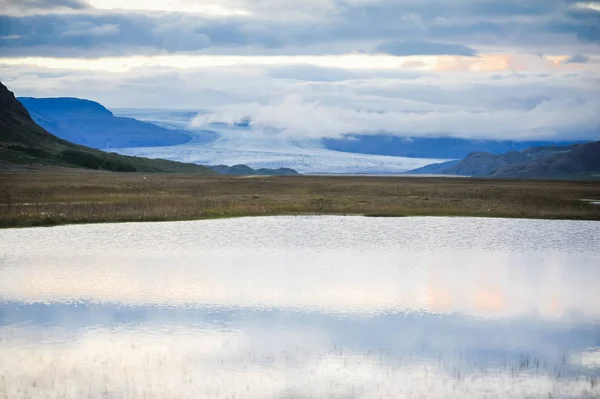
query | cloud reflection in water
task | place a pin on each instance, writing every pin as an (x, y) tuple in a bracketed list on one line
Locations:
[(301, 307)]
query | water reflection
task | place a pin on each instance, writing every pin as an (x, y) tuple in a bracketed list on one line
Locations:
[(302, 307)]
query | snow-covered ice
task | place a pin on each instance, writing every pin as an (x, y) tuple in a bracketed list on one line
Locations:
[(233, 145)]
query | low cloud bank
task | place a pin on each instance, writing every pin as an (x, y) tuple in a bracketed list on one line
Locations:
[(297, 117)]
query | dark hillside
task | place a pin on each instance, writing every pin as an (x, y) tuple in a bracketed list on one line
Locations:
[(23, 142)]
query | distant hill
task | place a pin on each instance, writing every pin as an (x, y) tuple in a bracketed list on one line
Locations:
[(429, 147), (573, 161), (88, 123), (23, 142), (433, 169)]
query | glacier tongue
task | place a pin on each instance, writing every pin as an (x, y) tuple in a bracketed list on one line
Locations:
[(240, 145)]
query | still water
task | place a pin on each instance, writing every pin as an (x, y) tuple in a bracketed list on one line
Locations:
[(302, 307)]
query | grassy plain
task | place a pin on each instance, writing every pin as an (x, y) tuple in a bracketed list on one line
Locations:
[(64, 196)]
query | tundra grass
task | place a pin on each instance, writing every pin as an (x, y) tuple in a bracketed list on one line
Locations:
[(46, 198)]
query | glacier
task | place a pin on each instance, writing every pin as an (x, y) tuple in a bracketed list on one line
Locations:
[(214, 144)]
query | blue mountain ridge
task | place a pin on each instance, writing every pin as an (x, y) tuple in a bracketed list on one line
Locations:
[(88, 123), (429, 147), (572, 161)]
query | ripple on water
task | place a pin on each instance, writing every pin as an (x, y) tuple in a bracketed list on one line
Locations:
[(302, 307)]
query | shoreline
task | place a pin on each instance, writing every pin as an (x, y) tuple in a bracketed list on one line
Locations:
[(56, 198), (209, 218)]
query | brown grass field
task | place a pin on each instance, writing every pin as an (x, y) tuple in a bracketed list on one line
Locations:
[(63, 196)]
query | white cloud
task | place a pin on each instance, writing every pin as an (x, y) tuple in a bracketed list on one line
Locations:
[(592, 5), (357, 61), (117, 64), (207, 7), (265, 9), (296, 117)]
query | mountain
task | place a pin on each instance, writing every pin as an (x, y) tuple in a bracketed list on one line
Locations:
[(573, 161), (246, 170), (23, 142), (582, 160), (428, 147), (433, 169), (88, 123)]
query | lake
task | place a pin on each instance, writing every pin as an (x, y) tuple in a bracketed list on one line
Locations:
[(302, 307)]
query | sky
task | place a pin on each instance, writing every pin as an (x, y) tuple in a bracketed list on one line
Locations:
[(493, 69)]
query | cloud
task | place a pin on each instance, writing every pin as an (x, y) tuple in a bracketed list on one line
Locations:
[(464, 68), (33, 7), (301, 64), (101, 35), (89, 29), (312, 73), (404, 27), (417, 47), (546, 101), (591, 5), (577, 59), (205, 7), (296, 117)]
